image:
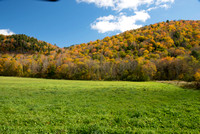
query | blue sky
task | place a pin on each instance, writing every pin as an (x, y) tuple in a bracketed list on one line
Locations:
[(69, 22)]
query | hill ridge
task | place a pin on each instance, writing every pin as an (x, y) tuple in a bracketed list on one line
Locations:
[(163, 51)]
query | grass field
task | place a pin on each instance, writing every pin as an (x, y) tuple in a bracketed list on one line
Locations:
[(60, 106)]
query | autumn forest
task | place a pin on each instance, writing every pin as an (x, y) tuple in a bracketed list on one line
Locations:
[(163, 51)]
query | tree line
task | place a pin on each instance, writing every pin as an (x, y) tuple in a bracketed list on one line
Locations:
[(162, 51)]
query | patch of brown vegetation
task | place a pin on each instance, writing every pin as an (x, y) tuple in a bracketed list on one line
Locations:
[(184, 84)]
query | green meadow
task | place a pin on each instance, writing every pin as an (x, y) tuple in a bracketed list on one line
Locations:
[(62, 106)]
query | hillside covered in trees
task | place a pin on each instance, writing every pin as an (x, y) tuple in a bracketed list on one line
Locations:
[(163, 51), (23, 44)]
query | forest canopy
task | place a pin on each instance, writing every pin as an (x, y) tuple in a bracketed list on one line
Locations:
[(163, 51)]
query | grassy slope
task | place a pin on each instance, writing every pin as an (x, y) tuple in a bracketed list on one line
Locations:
[(59, 106)]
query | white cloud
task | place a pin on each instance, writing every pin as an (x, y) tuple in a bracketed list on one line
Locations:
[(6, 32), (120, 5), (106, 18), (160, 6), (131, 4), (119, 23), (165, 6), (99, 3), (158, 2), (122, 22)]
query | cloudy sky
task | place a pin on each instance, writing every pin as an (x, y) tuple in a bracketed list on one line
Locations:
[(69, 22)]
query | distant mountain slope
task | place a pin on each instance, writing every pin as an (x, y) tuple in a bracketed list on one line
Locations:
[(171, 38), (23, 44), (163, 51)]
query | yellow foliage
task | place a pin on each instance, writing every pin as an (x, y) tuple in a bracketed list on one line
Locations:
[(197, 75), (1, 68), (146, 52), (149, 68), (181, 76)]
